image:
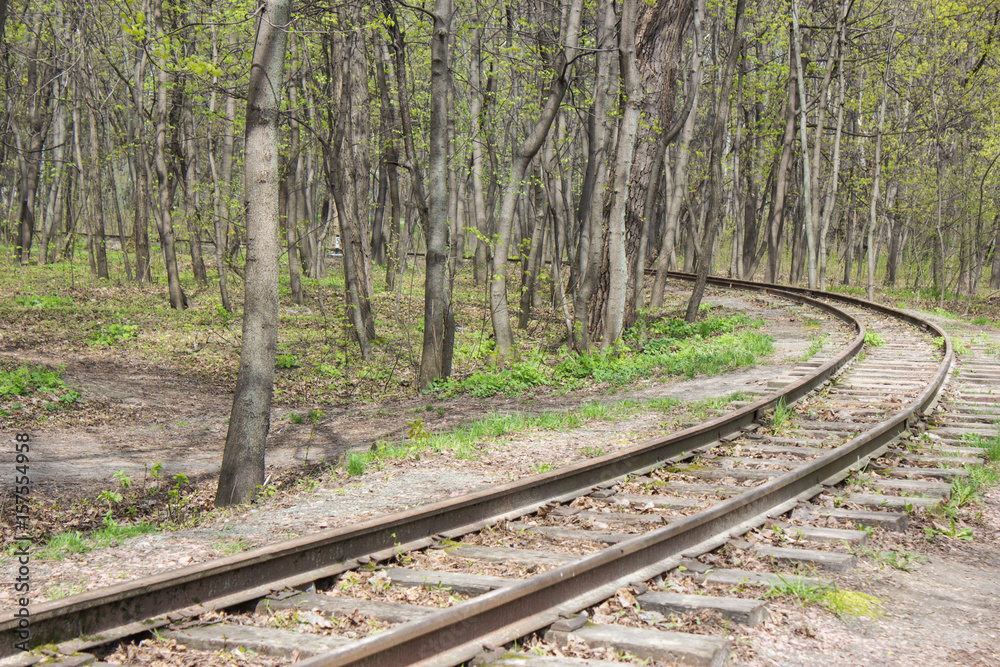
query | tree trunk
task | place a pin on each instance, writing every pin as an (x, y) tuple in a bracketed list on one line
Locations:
[(658, 45), (715, 165), (590, 213), (292, 187), (776, 219), (189, 147), (31, 155), (243, 459), (220, 204), (140, 159), (390, 160), (165, 225), (617, 261), (503, 336), (872, 254), (678, 179)]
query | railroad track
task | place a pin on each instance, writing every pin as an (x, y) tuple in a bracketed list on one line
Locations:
[(606, 527)]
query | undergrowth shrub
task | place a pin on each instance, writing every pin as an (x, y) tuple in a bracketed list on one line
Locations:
[(659, 347), (113, 334), (27, 379)]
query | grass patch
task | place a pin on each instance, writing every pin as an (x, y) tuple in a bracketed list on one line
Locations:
[(848, 604), (27, 379), (798, 589), (666, 347), (71, 542), (906, 561), (23, 380), (466, 439), (874, 339), (783, 415), (114, 334), (816, 344), (989, 444)]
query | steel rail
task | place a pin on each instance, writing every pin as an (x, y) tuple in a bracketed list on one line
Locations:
[(461, 632), (105, 614)]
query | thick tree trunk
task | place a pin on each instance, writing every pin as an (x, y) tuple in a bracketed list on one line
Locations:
[(678, 178), (243, 459), (658, 42), (435, 361), (628, 128), (590, 212)]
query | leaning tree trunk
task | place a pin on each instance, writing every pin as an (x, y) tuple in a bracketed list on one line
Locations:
[(503, 335), (243, 459)]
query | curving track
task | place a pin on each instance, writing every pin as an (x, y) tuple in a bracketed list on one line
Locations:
[(656, 504)]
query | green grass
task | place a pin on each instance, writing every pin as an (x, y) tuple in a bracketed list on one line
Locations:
[(989, 444), (816, 344), (874, 339), (666, 347), (114, 334), (899, 560), (846, 604), (797, 589), (28, 379), (466, 439), (60, 545), (783, 415)]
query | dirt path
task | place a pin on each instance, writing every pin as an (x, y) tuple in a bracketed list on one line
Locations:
[(150, 414)]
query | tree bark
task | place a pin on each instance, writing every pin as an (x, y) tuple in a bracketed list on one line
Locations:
[(435, 361), (627, 130), (165, 224), (678, 179), (243, 459), (523, 155), (715, 165)]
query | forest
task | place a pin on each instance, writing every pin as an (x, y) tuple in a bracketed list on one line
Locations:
[(190, 147)]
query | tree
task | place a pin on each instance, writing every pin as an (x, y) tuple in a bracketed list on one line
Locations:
[(243, 458)]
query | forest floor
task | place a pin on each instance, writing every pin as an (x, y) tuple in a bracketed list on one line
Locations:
[(138, 411)]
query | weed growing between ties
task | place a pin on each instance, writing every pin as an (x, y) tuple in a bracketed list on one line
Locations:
[(842, 603), (955, 519)]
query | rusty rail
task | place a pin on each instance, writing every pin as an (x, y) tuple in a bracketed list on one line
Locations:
[(104, 615)]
